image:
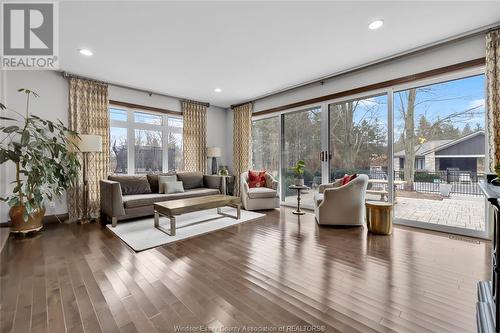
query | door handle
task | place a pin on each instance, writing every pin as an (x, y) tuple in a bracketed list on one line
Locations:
[(322, 156)]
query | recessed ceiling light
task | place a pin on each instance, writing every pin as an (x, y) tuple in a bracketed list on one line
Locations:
[(86, 52), (217, 90), (376, 24)]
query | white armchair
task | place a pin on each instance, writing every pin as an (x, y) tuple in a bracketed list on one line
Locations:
[(258, 198), (341, 205)]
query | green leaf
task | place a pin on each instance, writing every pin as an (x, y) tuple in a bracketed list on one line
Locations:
[(10, 129), (6, 118), (28, 92)]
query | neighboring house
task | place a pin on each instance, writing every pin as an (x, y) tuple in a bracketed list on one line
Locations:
[(464, 154)]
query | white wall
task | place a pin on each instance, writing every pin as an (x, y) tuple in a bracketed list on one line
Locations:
[(53, 104), (456, 52)]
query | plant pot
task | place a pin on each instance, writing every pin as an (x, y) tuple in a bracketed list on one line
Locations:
[(298, 182), (19, 225), (445, 189)]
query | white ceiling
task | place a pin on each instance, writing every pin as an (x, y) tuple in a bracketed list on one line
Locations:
[(247, 49)]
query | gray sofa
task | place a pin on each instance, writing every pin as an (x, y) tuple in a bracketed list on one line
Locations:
[(132, 196)]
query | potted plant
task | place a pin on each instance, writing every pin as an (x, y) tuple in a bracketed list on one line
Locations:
[(445, 189), (496, 181), (44, 156), (298, 170), (223, 171)]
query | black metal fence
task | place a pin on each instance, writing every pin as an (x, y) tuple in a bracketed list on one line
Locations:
[(462, 182)]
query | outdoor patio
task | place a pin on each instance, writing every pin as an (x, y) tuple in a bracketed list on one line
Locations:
[(457, 211)]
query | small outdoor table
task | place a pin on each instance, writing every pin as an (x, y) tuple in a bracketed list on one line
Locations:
[(298, 188)]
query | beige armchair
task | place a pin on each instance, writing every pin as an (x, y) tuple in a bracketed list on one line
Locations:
[(341, 205), (258, 198)]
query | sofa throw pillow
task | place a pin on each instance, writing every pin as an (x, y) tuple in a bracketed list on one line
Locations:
[(347, 178), (344, 180), (137, 184), (256, 178), (191, 180), (173, 187), (163, 180), (153, 180)]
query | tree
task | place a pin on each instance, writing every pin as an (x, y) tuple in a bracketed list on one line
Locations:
[(424, 127), (409, 138), (467, 130), (120, 152), (356, 133), (266, 145)]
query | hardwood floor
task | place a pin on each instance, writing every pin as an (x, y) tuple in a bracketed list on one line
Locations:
[(266, 273)]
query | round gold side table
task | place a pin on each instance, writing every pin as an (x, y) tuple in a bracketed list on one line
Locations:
[(379, 217)]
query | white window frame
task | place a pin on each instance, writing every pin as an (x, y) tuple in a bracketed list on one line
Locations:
[(131, 126)]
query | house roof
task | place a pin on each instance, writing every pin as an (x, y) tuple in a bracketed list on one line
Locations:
[(434, 145)]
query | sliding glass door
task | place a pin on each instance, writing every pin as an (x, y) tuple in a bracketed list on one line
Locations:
[(301, 140), (439, 155), (422, 145), (358, 134), (266, 145)]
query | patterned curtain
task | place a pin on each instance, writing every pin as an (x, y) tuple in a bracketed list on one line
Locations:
[(88, 114), (242, 142), (194, 136), (493, 95)]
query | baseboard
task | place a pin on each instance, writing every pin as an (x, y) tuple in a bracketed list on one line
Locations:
[(55, 218), (47, 219), (4, 236)]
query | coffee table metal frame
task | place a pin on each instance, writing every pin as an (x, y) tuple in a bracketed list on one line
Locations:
[(236, 203)]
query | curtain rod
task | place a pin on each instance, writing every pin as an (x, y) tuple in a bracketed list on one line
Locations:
[(149, 92), (195, 102), (425, 47)]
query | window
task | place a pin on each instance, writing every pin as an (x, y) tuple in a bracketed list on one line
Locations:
[(439, 132), (147, 118), (119, 147), (358, 137), (420, 163), (301, 141), (148, 151), (144, 142), (174, 143), (116, 114), (265, 145)]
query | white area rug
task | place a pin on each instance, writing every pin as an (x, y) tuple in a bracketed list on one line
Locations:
[(141, 234)]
